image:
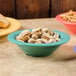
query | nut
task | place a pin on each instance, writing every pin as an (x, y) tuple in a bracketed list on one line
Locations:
[(31, 40), (35, 36), (37, 31), (46, 36), (25, 38), (25, 32), (44, 40), (56, 35), (57, 39), (51, 41), (38, 41), (38, 36), (44, 30)]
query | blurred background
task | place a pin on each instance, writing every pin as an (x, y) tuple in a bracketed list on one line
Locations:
[(28, 9)]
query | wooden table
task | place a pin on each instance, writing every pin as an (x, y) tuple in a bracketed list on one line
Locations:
[(13, 62)]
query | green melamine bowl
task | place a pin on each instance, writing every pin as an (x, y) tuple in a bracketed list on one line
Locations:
[(38, 50)]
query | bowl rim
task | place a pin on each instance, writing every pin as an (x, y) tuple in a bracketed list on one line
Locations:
[(58, 18), (64, 38)]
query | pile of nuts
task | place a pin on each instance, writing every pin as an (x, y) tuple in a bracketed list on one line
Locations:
[(38, 35), (70, 16)]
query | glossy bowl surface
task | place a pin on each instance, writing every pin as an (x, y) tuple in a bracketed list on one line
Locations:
[(38, 50)]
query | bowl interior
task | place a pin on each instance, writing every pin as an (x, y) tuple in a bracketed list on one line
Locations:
[(63, 36), (71, 26)]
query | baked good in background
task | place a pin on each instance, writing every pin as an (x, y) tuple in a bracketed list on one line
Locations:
[(7, 26), (4, 21)]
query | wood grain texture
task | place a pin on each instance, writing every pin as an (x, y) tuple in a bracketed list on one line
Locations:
[(60, 6), (35, 8), (7, 7), (32, 8)]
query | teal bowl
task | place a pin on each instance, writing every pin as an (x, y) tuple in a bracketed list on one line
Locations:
[(38, 50)]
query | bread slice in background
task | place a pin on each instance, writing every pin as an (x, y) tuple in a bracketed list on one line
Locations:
[(3, 21)]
